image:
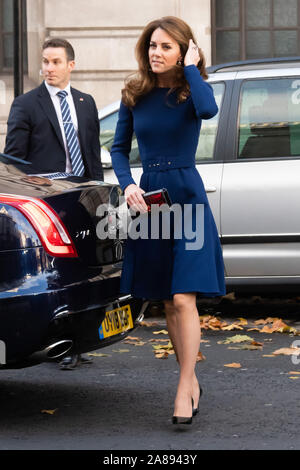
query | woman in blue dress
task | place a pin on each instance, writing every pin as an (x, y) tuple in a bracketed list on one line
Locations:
[(163, 104)]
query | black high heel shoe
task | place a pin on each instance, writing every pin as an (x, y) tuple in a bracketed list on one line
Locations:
[(196, 410), (183, 419)]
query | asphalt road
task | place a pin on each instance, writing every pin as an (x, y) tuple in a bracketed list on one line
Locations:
[(125, 399)]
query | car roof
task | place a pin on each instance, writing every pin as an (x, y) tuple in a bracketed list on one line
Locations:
[(267, 67), (268, 62)]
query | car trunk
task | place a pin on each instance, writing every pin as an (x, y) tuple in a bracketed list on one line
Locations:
[(80, 204), (85, 212)]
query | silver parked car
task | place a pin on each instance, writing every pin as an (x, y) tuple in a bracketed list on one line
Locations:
[(249, 159)]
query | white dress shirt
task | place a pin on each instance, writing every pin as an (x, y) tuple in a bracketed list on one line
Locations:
[(56, 102)]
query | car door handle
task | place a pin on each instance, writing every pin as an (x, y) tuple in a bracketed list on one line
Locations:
[(210, 189)]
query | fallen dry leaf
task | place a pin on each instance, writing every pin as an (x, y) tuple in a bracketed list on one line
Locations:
[(163, 355), (251, 346), (260, 322), (294, 372), (158, 340), (98, 354), (161, 346), (275, 325), (266, 320), (121, 350), (163, 351), (233, 326), (287, 351), (257, 343), (133, 338), (149, 323), (135, 343), (236, 339), (209, 322), (267, 329), (294, 378), (161, 332), (49, 412), (215, 324), (200, 357), (268, 355), (272, 319), (278, 326), (233, 364)]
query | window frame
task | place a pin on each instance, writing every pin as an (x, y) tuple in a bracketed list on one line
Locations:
[(243, 29), (4, 69), (232, 142), (2, 36)]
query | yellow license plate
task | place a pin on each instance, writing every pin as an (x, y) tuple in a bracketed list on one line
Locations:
[(116, 321)]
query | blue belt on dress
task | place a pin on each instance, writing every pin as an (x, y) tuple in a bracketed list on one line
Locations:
[(167, 163)]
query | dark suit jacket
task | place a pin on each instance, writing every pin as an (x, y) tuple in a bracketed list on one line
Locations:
[(33, 133)]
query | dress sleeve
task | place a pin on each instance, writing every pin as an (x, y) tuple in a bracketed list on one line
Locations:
[(121, 147), (201, 93)]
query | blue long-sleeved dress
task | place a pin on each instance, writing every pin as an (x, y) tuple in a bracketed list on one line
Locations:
[(167, 133)]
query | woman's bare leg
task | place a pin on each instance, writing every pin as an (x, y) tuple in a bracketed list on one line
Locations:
[(184, 331)]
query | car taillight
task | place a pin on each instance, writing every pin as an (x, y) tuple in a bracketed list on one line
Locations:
[(46, 222)]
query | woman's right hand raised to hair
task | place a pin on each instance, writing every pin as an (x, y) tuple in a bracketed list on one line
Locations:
[(133, 196), (192, 56)]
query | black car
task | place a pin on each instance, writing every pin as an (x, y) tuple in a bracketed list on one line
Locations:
[(59, 282)]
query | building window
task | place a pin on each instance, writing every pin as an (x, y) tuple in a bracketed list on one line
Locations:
[(7, 38), (253, 29)]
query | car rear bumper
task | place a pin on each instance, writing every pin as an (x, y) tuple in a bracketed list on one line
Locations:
[(74, 332), (83, 327)]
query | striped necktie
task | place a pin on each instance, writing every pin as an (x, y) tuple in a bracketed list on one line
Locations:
[(71, 136)]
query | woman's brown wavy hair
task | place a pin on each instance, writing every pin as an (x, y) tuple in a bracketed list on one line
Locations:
[(144, 80)]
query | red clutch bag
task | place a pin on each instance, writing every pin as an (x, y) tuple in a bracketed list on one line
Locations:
[(159, 197)]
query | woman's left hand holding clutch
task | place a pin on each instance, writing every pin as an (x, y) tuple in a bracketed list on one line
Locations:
[(134, 198)]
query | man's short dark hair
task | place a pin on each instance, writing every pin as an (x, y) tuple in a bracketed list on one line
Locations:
[(59, 42)]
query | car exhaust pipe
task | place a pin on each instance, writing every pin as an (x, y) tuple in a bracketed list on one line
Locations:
[(58, 349), (53, 351)]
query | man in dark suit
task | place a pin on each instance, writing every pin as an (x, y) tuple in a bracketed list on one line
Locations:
[(54, 126)]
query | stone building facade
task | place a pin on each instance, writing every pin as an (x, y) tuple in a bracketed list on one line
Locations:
[(103, 34)]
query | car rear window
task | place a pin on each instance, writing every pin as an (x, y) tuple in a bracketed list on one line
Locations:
[(269, 118), (108, 126)]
